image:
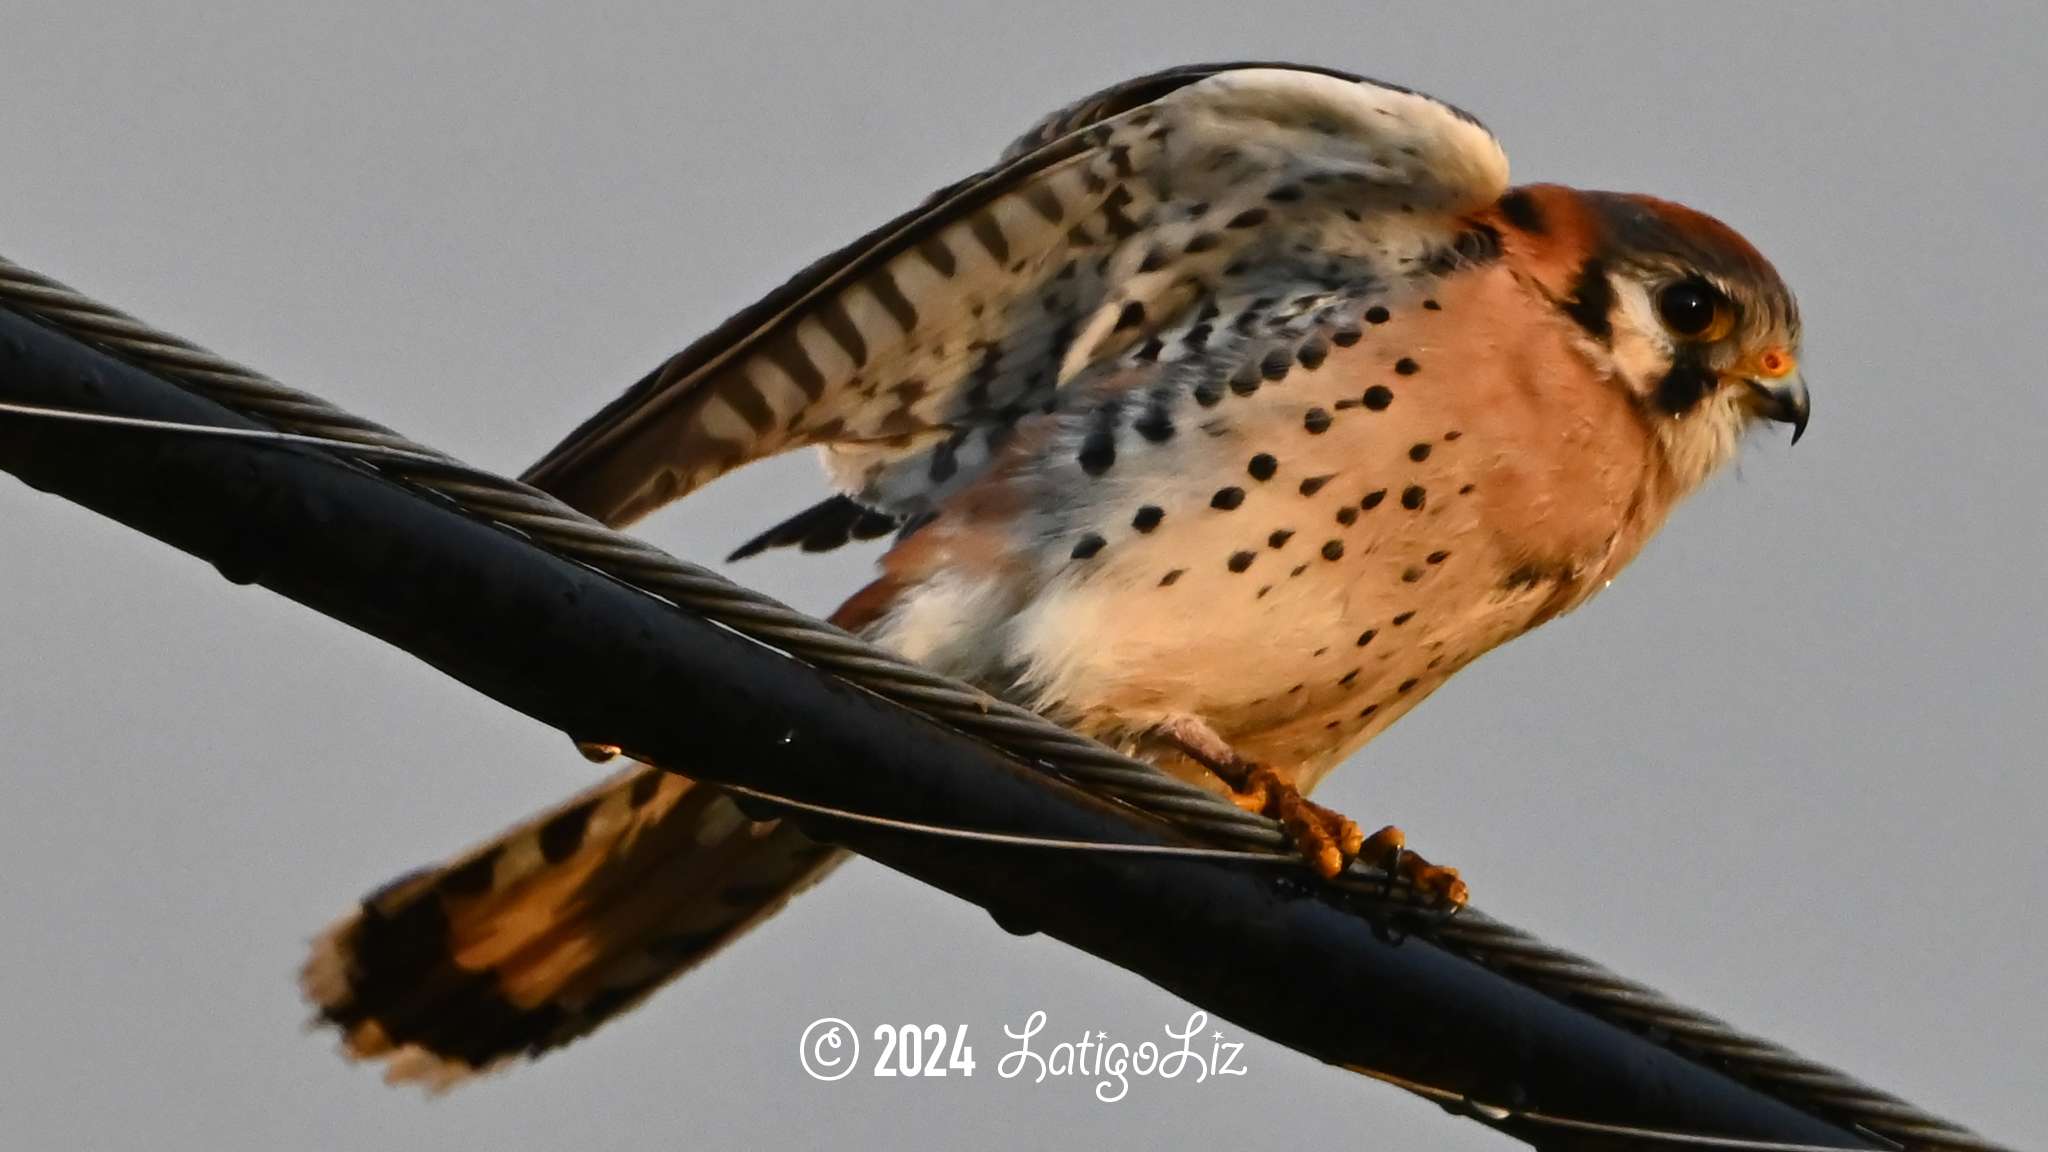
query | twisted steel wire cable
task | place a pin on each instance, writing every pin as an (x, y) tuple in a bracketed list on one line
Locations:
[(1024, 735)]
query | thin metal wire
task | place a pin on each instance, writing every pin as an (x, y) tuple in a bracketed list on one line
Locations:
[(564, 532), (264, 435), (1502, 1116), (977, 837)]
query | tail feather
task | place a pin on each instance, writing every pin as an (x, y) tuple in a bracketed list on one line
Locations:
[(532, 940)]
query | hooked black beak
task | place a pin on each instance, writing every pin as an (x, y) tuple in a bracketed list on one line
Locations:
[(1783, 400)]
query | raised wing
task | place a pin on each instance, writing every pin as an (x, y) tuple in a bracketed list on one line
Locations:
[(909, 355)]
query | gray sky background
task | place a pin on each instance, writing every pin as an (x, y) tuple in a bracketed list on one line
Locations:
[(1789, 768)]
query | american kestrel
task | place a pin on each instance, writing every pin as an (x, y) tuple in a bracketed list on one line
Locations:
[(1223, 420)]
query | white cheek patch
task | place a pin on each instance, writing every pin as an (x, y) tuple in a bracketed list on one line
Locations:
[(1642, 350)]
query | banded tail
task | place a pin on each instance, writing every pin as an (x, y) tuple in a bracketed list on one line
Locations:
[(531, 940)]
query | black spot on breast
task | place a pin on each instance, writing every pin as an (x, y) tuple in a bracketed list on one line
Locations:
[(1209, 393), (1347, 515), (1438, 557), (1369, 710), (1249, 218), (1312, 353), (1287, 193), (1467, 489), (1314, 484), (1298, 569), (1154, 260), (1432, 306), (1246, 379), (1366, 636), (1149, 350), (1170, 577), (1411, 575), (561, 836), (1372, 499), (1098, 452), (1333, 549), (1378, 397), (1419, 453), (1132, 316), (1453, 435), (1279, 537), (1198, 337), (1406, 367), (1413, 496), (1227, 499), (1406, 685), (1148, 517), (1274, 364), (1592, 300), (1203, 242), (1403, 618), (1316, 420), (1239, 561), (1088, 546), (1376, 315), (1346, 679), (1262, 467), (1519, 209), (1345, 337)]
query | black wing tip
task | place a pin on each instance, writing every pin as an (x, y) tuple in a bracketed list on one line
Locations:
[(826, 525)]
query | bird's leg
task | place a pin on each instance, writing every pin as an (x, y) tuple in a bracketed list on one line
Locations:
[(1326, 838)]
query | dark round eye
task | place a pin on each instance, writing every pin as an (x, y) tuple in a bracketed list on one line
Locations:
[(1689, 308)]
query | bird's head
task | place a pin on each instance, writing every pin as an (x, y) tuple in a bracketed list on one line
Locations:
[(1691, 318)]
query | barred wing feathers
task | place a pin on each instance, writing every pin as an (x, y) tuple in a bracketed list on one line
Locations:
[(911, 353), (532, 939)]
